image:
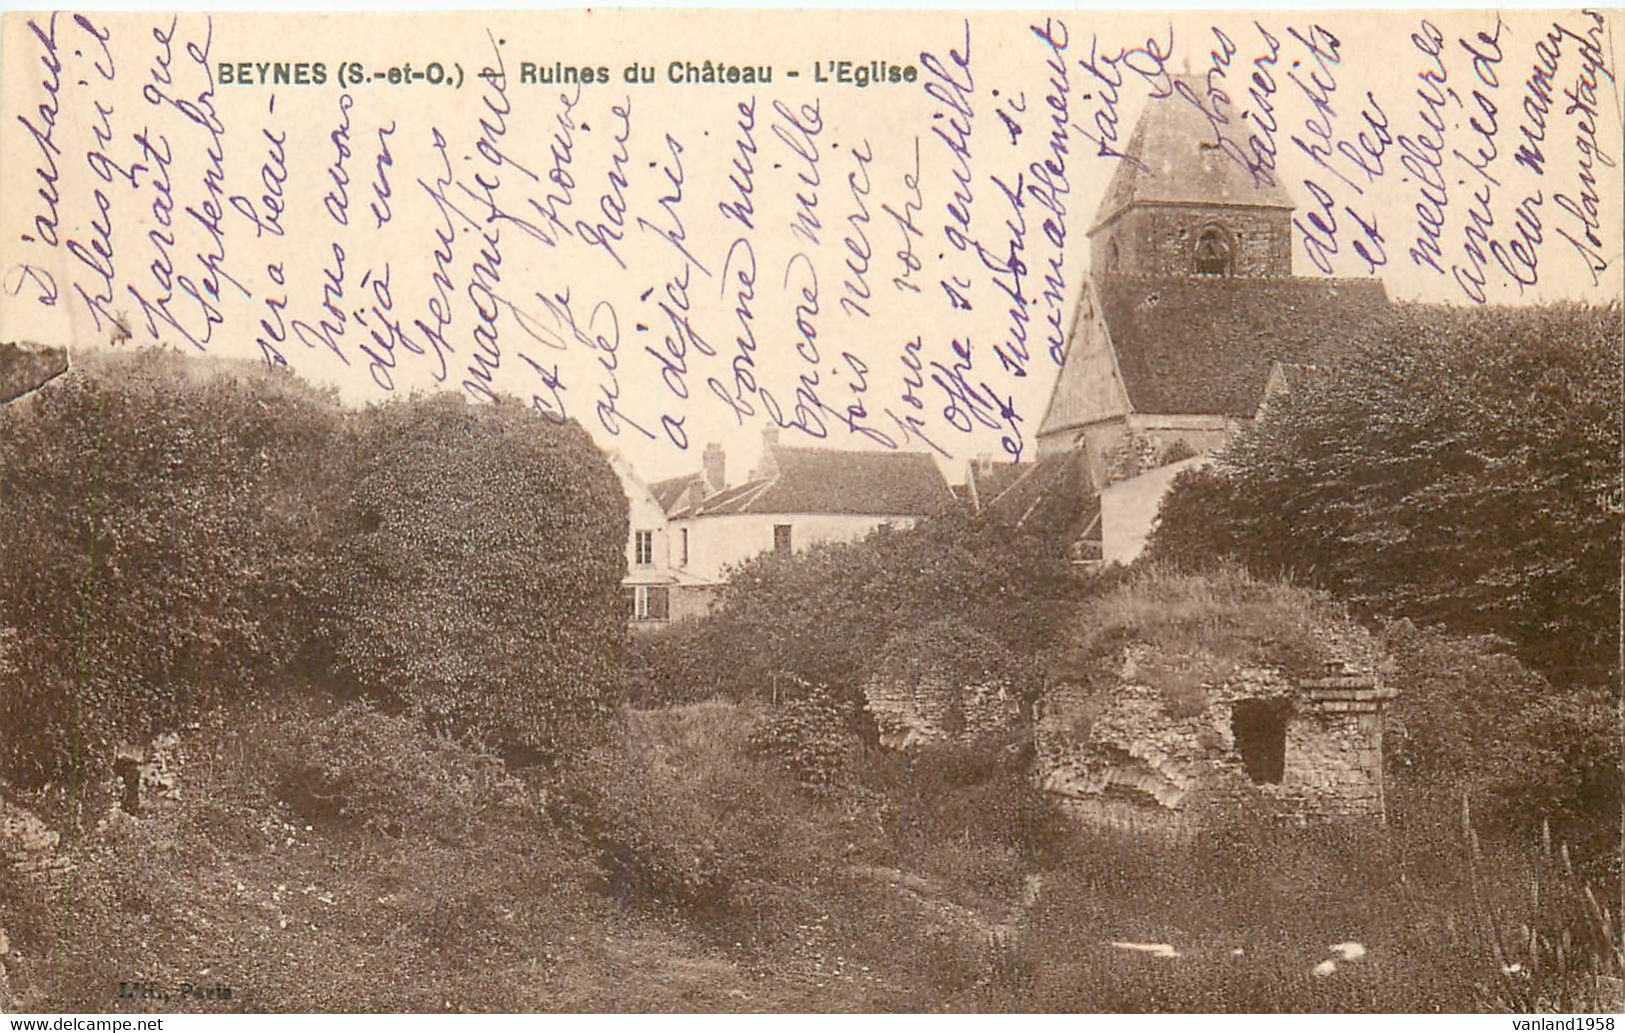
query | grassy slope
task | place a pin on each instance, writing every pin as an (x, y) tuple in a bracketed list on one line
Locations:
[(903, 897)]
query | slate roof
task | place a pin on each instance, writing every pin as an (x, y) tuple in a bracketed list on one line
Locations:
[(1169, 141), (668, 491), (1205, 345), (985, 481), (25, 369), (1054, 492), (826, 480)]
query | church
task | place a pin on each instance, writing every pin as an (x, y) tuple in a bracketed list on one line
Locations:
[(1189, 321)]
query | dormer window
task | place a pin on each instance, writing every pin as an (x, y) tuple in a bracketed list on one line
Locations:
[(1214, 255)]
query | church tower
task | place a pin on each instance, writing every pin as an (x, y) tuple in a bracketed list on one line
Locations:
[(1189, 320), (1179, 206)]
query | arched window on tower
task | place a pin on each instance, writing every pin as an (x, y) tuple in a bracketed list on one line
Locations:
[(1214, 255), (1114, 257)]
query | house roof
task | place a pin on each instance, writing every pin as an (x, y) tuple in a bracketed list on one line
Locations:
[(1054, 492), (985, 481), (25, 369), (1206, 345), (826, 480), (1176, 160), (667, 492)]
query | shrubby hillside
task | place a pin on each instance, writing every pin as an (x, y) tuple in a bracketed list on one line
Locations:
[(1463, 470), (1461, 475), (837, 614), (369, 628), (183, 533)]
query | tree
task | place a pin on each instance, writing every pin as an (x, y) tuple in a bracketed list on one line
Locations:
[(161, 516), (826, 614), (479, 581), (1462, 470)]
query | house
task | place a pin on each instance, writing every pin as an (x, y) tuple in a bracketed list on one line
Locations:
[(1191, 318), (657, 592), (697, 527), (1057, 492)]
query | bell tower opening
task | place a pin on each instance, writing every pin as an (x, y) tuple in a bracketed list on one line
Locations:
[(1214, 254)]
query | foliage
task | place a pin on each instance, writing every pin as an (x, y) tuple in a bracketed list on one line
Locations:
[(1563, 764), (826, 614), (480, 580), (947, 650), (1201, 627), (361, 768), (977, 795), (162, 517), (203, 890), (669, 666), (1463, 470), (1472, 720), (814, 736), (1459, 700), (680, 810)]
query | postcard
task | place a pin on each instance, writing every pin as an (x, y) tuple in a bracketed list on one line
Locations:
[(810, 511)]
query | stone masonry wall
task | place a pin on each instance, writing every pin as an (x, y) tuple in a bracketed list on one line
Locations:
[(931, 709), (1158, 240), (1118, 757)]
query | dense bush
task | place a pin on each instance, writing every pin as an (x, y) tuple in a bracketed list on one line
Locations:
[(1462, 470), (826, 614), (969, 810), (480, 583), (361, 768), (682, 811), (815, 736), (161, 521), (949, 652)]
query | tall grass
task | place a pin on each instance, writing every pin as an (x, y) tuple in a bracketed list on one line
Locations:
[(1201, 627), (1251, 910)]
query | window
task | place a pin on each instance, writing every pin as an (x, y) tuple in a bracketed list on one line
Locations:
[(645, 548), (649, 603), (1114, 257), (684, 539), (658, 606), (1213, 255), (781, 537), (1259, 726)]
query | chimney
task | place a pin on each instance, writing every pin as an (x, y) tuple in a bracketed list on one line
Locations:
[(715, 463), (767, 467)]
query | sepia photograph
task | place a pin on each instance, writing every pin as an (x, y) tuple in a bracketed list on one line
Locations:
[(807, 512)]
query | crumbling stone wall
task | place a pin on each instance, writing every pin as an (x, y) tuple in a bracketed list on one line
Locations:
[(1121, 756), (146, 774), (932, 706)]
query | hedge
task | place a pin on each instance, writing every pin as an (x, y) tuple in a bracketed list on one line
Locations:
[(479, 583), (158, 516)]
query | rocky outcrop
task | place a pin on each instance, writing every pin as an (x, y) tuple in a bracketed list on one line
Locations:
[(934, 707), (1115, 751), (24, 369)]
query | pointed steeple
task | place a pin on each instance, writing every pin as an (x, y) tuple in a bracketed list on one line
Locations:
[(1179, 205)]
